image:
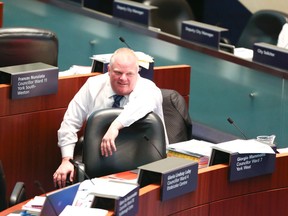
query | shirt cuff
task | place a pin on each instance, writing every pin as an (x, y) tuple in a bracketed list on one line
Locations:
[(67, 151)]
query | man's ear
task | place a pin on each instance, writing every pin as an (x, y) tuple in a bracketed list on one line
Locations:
[(108, 68)]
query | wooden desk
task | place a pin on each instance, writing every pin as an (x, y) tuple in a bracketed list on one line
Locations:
[(28, 127), (215, 196)]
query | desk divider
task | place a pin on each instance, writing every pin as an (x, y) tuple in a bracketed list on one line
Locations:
[(270, 55), (202, 33), (132, 11), (30, 80), (177, 176), (244, 165)]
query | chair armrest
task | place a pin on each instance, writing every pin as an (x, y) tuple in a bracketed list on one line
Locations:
[(18, 194), (80, 172), (204, 132)]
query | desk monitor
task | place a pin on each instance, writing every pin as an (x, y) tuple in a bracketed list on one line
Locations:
[(56, 201)]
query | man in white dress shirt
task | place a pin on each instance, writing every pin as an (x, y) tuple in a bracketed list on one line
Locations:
[(141, 96)]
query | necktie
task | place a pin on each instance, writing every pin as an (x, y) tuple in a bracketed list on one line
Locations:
[(117, 99)]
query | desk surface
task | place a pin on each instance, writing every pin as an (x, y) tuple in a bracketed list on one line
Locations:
[(215, 196)]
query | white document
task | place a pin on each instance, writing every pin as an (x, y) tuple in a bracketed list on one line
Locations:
[(193, 146), (76, 211), (244, 147), (102, 187)]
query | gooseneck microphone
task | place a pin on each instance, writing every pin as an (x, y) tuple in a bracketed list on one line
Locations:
[(123, 41), (75, 164), (39, 186), (148, 140), (232, 122)]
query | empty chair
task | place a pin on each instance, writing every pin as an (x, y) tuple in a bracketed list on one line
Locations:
[(169, 15), (176, 115), (18, 194), (27, 45), (179, 125), (263, 26), (140, 143)]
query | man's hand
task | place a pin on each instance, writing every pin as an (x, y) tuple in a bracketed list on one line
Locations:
[(108, 141), (60, 176)]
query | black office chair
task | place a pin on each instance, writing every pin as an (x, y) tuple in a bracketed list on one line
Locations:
[(263, 26), (18, 194), (176, 115), (140, 143), (27, 45), (169, 15), (179, 125)]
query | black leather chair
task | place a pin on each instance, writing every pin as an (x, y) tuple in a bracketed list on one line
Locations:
[(169, 15), (176, 115), (27, 45), (18, 194), (179, 126), (263, 26), (140, 143)]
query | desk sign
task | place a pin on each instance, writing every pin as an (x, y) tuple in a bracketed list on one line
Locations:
[(132, 11), (104, 193), (270, 55), (177, 176), (201, 33), (243, 164), (30, 80)]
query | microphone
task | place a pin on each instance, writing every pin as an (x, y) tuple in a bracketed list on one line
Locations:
[(75, 164), (232, 122), (123, 41), (39, 186), (148, 140)]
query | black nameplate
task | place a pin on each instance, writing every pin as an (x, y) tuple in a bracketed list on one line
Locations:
[(132, 11), (270, 55), (177, 176), (201, 33), (30, 80), (243, 166), (128, 205)]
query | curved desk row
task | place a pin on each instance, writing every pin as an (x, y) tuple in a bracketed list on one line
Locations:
[(222, 85), (215, 196)]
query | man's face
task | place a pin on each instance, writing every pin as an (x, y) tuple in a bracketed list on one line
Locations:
[(123, 76)]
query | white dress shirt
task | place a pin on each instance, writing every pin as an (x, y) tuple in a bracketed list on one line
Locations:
[(283, 37), (97, 94)]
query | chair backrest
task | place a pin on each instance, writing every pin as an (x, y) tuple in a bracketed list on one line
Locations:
[(176, 115), (27, 45), (263, 26), (3, 200), (140, 143), (169, 15)]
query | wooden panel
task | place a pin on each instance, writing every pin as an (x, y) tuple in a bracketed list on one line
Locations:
[(273, 202), (173, 77), (265, 196), (67, 87)]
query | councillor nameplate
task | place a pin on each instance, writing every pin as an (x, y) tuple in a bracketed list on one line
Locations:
[(30, 80)]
